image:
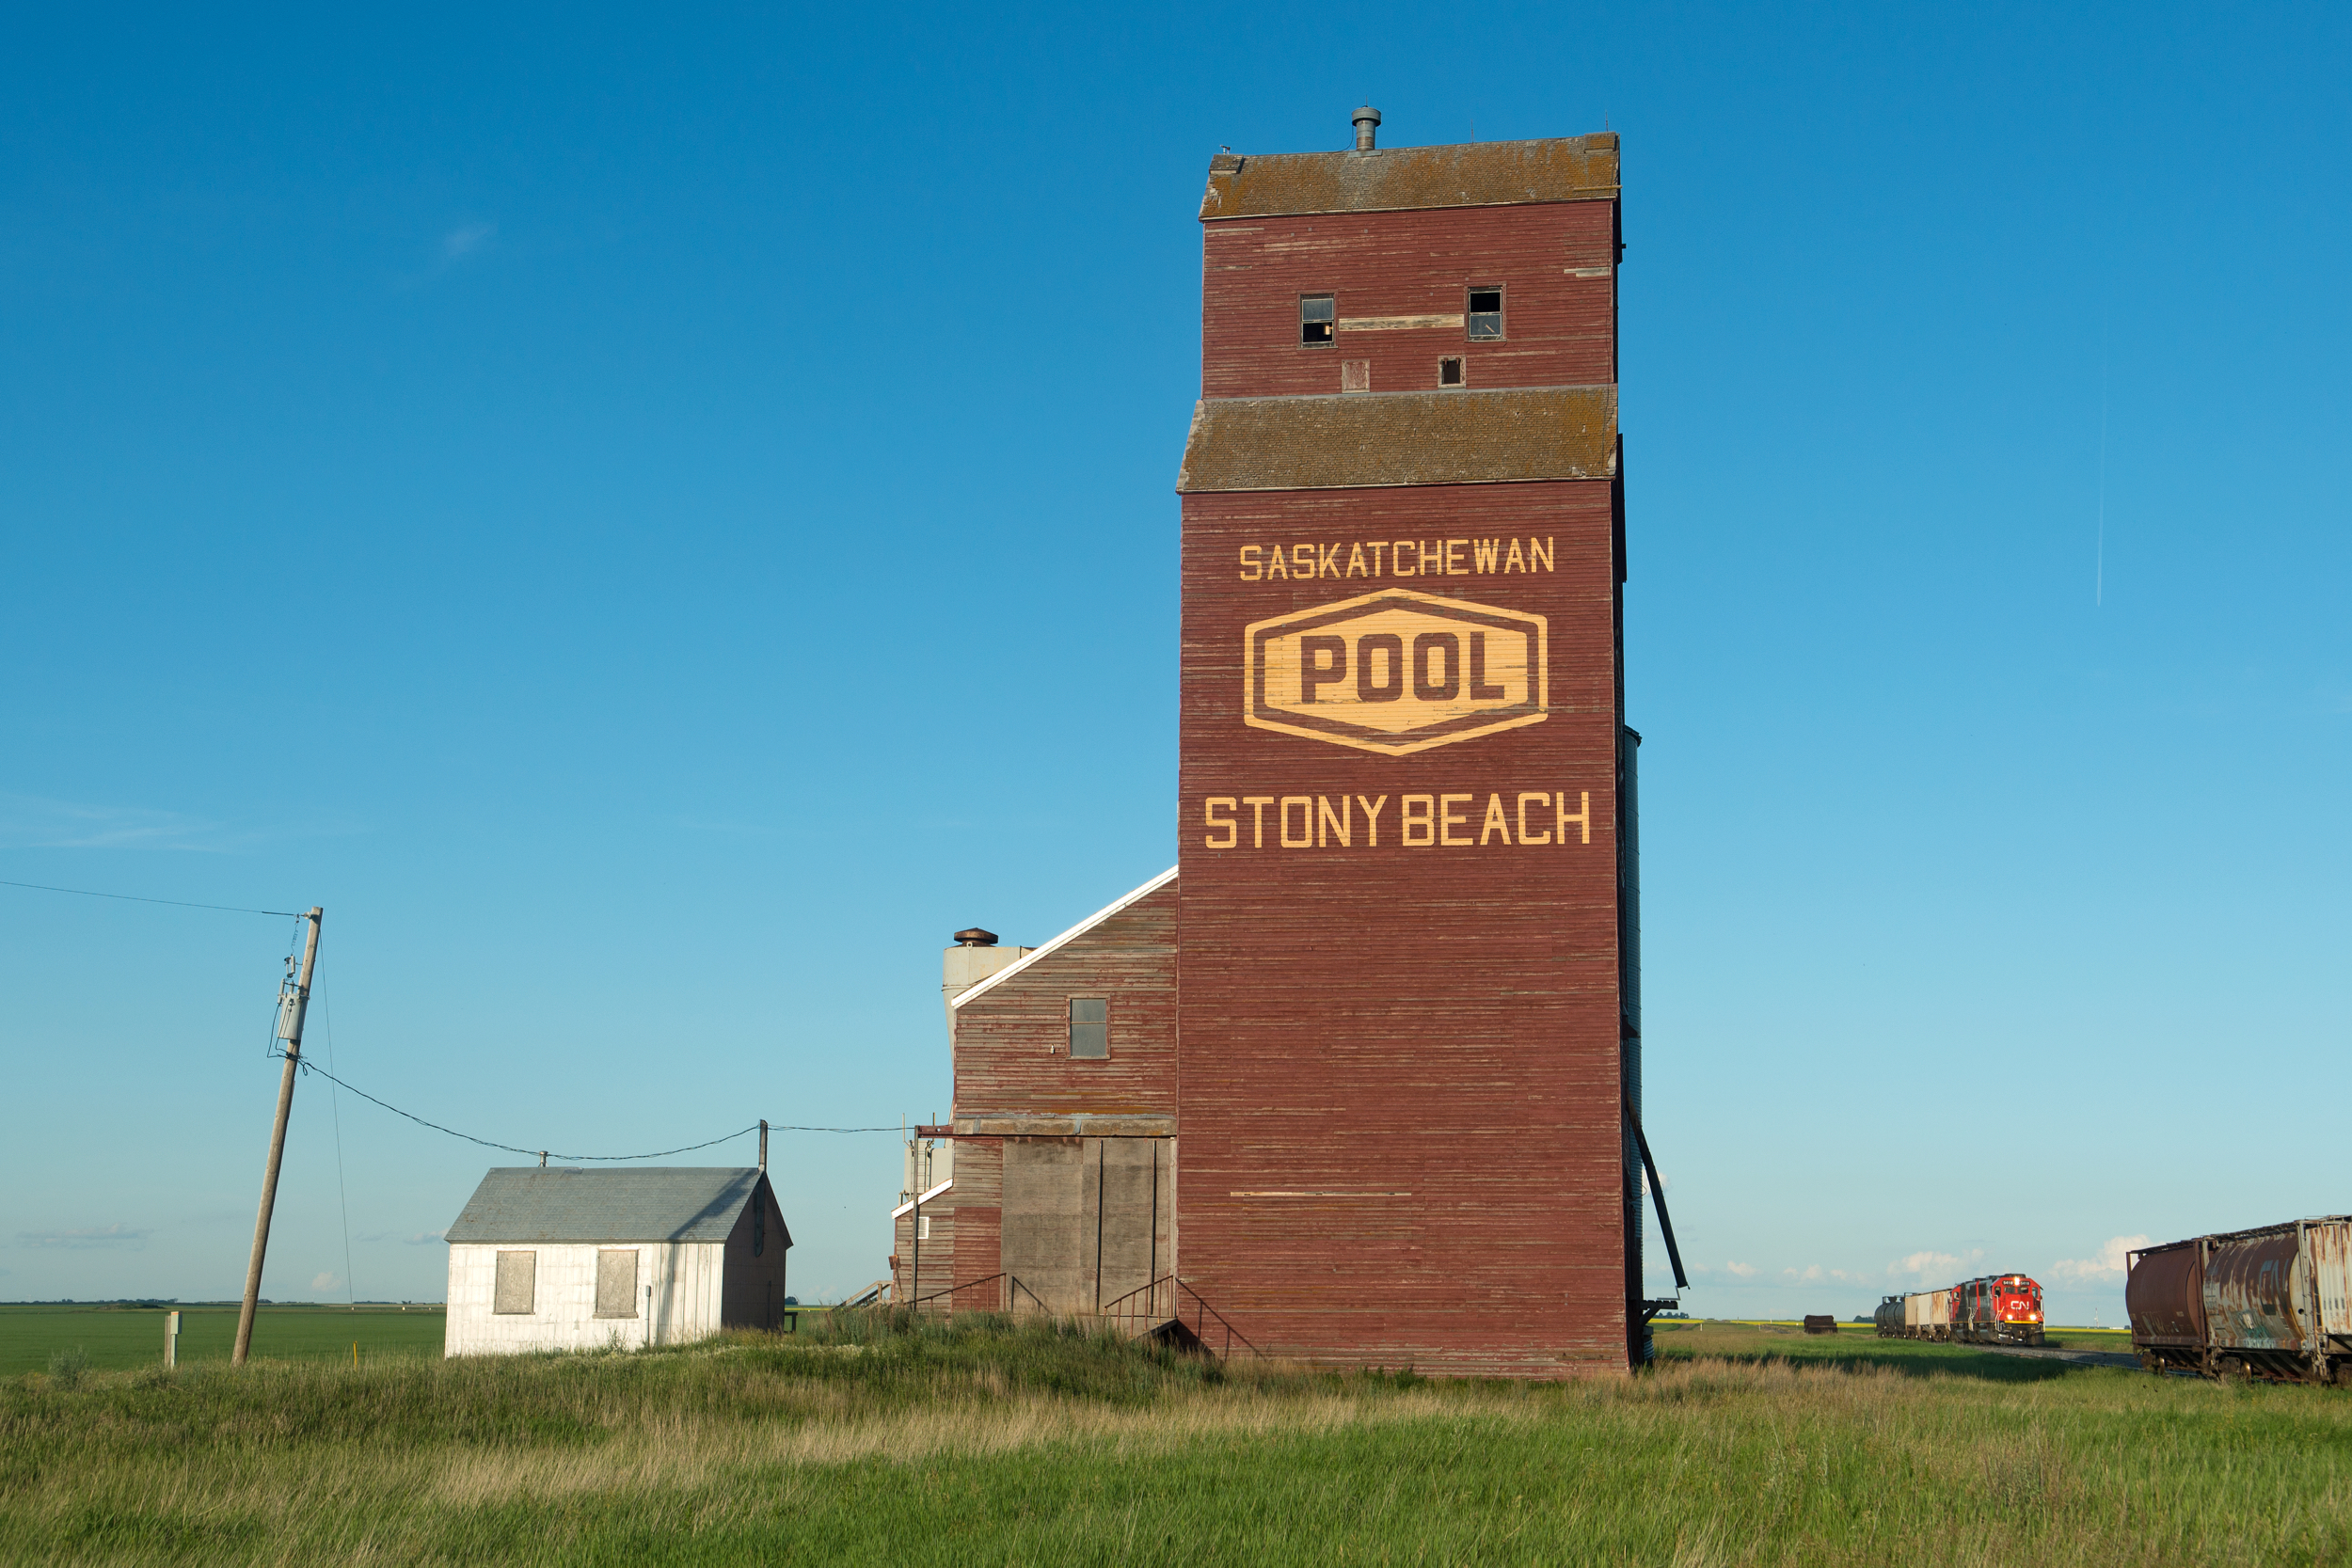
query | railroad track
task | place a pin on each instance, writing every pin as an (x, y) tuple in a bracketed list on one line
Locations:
[(2079, 1357)]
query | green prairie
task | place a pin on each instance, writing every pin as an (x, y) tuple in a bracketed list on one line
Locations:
[(122, 1337), (871, 1440)]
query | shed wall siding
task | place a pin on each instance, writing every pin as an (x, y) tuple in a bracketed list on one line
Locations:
[(686, 1278), (753, 1285)]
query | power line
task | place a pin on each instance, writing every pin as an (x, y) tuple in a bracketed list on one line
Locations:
[(308, 1066), (135, 899)]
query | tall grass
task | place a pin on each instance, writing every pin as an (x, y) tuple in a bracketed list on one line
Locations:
[(886, 1441)]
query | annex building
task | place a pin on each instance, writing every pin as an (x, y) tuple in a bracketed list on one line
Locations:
[(1358, 1080), (565, 1259)]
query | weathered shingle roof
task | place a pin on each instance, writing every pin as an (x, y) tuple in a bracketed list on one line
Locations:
[(1354, 440), (1401, 179), (661, 1203)]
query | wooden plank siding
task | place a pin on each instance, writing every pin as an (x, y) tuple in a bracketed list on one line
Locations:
[(1555, 262), (1012, 1041), (1432, 1031), (1012, 1065), (1399, 1068)]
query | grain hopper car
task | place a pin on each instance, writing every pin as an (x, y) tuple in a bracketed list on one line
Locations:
[(2268, 1302)]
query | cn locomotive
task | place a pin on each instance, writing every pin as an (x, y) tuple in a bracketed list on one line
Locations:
[(2273, 1303), (1995, 1310)]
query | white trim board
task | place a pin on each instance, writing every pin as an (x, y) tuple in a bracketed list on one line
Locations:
[(1088, 924), (924, 1199)]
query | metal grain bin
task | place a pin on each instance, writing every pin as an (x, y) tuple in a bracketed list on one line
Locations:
[(1890, 1318)]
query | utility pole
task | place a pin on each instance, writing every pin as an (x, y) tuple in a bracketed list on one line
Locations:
[(294, 1002)]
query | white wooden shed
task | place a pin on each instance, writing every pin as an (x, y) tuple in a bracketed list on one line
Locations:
[(558, 1259)]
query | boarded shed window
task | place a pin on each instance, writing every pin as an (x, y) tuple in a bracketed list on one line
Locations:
[(1484, 316), (1318, 314), (616, 1284), (517, 1282), (1089, 1027), (1449, 371)]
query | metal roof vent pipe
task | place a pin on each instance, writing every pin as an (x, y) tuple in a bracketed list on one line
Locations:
[(1367, 126)]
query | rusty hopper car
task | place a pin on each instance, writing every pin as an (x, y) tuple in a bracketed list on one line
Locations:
[(1995, 1310), (2270, 1303)]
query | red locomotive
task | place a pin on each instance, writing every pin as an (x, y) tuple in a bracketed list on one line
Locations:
[(1995, 1310)]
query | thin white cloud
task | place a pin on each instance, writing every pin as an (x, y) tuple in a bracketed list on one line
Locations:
[(458, 244), (324, 1282), (1743, 1270), (99, 1235), (1811, 1271), (710, 825), (1927, 1264), (30, 822), (421, 1237), (2110, 1265)]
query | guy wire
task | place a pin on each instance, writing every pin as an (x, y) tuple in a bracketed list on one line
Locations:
[(351, 1282)]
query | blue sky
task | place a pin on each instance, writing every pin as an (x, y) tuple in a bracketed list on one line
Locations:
[(655, 522)]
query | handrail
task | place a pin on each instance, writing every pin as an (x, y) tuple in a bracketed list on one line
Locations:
[(1153, 1317), (1201, 1322), (1014, 1281), (1111, 1308), (952, 1290)]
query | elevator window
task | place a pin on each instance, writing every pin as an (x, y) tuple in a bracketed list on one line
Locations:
[(1089, 1027), (1484, 315), (1317, 317)]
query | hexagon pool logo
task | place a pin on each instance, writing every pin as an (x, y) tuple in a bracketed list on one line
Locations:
[(1394, 671)]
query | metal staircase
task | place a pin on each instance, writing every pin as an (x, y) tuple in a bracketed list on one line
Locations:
[(1171, 1311)]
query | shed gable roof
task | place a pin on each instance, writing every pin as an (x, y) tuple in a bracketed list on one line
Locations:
[(663, 1203)]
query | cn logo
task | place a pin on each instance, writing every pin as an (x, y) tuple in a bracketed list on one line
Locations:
[(1394, 671)]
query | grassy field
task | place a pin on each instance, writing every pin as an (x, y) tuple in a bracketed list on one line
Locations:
[(124, 1338), (986, 1443)]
